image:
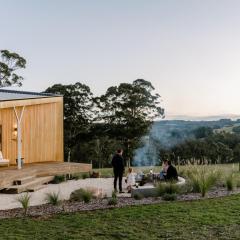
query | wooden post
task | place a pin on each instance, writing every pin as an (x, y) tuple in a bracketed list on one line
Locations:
[(19, 136)]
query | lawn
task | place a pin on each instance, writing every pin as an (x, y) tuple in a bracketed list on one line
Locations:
[(205, 219)]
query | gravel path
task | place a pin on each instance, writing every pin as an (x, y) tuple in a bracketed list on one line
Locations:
[(8, 201)]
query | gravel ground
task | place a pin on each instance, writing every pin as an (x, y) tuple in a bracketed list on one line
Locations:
[(9, 201)]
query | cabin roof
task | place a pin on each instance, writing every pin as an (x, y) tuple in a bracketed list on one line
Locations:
[(9, 95)]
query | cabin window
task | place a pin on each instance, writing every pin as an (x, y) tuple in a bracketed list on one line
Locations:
[(0, 137)]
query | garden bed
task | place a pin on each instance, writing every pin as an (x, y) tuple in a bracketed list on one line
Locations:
[(46, 210)]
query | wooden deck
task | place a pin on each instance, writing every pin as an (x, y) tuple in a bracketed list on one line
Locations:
[(9, 174)]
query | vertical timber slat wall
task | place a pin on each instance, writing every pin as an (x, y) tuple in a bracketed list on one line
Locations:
[(42, 130)]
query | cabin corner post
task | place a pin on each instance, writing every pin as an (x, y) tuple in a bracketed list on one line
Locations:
[(19, 136)]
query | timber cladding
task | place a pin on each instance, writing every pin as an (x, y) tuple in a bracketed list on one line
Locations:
[(42, 129)]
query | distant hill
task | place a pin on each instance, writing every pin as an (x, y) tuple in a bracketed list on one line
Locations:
[(203, 118)]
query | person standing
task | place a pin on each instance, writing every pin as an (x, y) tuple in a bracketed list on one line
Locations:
[(118, 169)]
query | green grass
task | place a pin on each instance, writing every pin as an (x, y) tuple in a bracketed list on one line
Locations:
[(204, 219), (224, 168)]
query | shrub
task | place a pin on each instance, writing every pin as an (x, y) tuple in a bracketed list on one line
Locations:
[(169, 196), (53, 198), (138, 196), (207, 181), (78, 176), (58, 179), (230, 182), (169, 188), (202, 180), (85, 175), (24, 200), (114, 194), (81, 195), (112, 201)]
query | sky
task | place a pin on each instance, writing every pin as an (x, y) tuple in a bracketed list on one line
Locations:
[(188, 49)]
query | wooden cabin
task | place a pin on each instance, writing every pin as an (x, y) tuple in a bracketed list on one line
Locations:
[(31, 127)]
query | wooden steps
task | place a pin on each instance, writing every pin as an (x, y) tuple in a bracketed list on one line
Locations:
[(23, 180), (36, 188), (28, 184)]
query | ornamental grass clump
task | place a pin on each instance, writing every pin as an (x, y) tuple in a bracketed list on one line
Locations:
[(81, 195), (24, 200), (203, 180), (169, 188), (53, 198), (113, 200), (169, 197), (58, 179), (138, 196), (230, 182)]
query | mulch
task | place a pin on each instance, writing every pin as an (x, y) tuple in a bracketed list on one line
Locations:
[(48, 210)]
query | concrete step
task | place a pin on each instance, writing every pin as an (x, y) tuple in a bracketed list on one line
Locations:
[(30, 185), (23, 180)]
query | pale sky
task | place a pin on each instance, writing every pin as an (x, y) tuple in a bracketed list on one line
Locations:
[(188, 49)]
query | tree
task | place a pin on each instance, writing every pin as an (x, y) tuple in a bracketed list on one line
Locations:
[(9, 63), (129, 110), (79, 112), (203, 132), (236, 129)]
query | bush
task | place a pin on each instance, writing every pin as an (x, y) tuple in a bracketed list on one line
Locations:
[(113, 200), (24, 200), (169, 196), (53, 198), (170, 188), (78, 176), (114, 194), (138, 196), (202, 180), (58, 179), (85, 175), (230, 182), (81, 195)]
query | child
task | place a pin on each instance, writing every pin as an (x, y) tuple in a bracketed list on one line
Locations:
[(130, 179)]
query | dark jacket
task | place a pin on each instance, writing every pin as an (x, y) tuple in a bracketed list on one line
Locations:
[(172, 173), (118, 163)]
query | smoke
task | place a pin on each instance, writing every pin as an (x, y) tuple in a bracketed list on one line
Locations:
[(163, 134)]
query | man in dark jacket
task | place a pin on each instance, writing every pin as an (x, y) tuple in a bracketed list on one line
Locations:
[(171, 172), (118, 169)]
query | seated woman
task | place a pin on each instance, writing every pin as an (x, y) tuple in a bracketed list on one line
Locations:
[(163, 173), (130, 179)]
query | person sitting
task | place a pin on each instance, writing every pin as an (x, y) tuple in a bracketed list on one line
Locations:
[(130, 179), (172, 174), (163, 173)]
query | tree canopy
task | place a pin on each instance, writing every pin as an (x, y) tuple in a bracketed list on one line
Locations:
[(78, 111), (120, 117), (128, 111), (10, 62)]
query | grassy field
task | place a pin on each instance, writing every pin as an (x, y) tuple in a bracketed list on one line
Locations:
[(223, 168), (205, 219)]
